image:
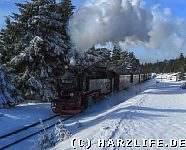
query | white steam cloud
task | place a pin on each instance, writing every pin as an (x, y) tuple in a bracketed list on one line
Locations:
[(101, 21), (127, 22), (166, 29)]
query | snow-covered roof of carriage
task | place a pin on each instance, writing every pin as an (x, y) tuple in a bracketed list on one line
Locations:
[(174, 74)]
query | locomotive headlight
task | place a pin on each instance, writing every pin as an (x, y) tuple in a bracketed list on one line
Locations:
[(66, 67), (71, 94)]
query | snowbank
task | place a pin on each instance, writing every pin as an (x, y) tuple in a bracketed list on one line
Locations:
[(159, 112), (23, 115)]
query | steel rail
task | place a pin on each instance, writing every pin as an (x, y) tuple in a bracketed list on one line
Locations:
[(30, 135)]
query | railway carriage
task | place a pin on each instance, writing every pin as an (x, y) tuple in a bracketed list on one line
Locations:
[(82, 87), (125, 81), (136, 79), (142, 79)]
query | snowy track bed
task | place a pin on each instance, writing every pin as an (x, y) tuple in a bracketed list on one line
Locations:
[(23, 115), (23, 121), (157, 112), (24, 133)]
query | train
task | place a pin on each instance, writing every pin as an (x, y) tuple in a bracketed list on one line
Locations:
[(81, 87)]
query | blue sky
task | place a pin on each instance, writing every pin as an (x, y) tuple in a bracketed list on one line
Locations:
[(178, 8), (8, 6)]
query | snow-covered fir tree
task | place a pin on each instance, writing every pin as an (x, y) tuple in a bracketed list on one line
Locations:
[(48, 138), (61, 132), (116, 53), (116, 59), (41, 47), (66, 9), (120, 61), (5, 97), (8, 94), (45, 139), (124, 61), (8, 37), (133, 63), (95, 57)]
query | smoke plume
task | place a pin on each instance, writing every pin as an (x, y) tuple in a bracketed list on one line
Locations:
[(128, 22), (101, 21), (168, 32)]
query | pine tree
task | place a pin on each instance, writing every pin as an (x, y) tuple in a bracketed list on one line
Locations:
[(116, 53), (41, 49), (172, 65), (7, 97), (134, 63), (116, 59), (95, 57), (61, 132), (9, 94), (45, 139), (8, 37), (124, 61), (65, 8)]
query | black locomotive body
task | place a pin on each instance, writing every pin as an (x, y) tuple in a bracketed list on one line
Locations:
[(81, 87)]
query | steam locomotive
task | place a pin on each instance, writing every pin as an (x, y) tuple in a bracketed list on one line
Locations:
[(81, 87)]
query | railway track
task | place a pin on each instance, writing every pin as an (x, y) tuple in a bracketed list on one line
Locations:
[(27, 132)]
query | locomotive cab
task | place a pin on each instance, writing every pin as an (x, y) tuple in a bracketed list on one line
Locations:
[(69, 102)]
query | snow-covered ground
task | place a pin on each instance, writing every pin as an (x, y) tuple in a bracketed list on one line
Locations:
[(22, 115), (148, 111)]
